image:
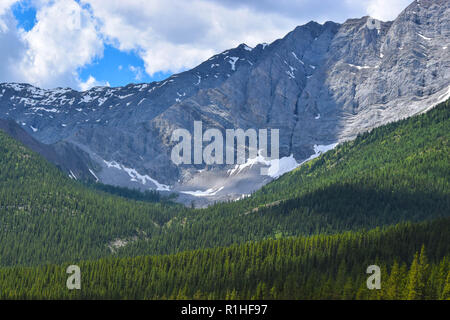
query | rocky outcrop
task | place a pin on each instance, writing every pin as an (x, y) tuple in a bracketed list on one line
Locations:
[(64, 155), (319, 85)]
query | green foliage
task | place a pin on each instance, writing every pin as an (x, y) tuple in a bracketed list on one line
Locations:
[(316, 267), (406, 157), (398, 172), (133, 194), (46, 217)]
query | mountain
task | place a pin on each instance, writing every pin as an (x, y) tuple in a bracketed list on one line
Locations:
[(320, 85), (69, 158), (395, 173)]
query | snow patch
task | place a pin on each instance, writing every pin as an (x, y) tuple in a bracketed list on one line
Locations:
[(92, 172), (242, 196), (319, 149), (101, 101), (445, 96), (290, 74), (359, 67), (295, 56), (86, 99), (199, 80), (276, 167), (45, 109), (423, 37), (199, 193), (126, 96), (15, 86), (135, 176), (232, 61), (112, 164), (72, 176)]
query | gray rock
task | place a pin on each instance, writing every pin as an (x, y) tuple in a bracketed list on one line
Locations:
[(319, 85), (63, 154)]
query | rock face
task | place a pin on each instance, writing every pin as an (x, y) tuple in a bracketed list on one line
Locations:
[(319, 85), (63, 154)]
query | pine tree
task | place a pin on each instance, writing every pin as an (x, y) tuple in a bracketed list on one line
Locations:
[(393, 287), (412, 290), (418, 276), (446, 292), (426, 289)]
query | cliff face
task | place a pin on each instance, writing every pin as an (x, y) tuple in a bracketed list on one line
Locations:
[(69, 158), (319, 85)]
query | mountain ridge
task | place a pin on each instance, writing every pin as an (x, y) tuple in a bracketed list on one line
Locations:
[(64, 155), (320, 84), (395, 173)]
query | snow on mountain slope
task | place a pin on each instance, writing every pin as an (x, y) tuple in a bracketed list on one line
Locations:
[(319, 85)]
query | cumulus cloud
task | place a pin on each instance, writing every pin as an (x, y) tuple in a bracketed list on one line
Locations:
[(137, 71), (324, 10), (173, 35), (301, 10), (169, 35), (64, 38), (386, 9), (12, 48), (91, 82), (5, 5)]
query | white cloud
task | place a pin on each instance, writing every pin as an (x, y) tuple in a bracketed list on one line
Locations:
[(5, 5), (12, 48), (386, 10), (138, 72), (64, 39), (169, 35), (173, 35), (91, 82)]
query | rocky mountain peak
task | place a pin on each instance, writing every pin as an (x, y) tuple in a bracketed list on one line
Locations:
[(319, 85)]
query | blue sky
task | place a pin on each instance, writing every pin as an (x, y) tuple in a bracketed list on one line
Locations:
[(25, 15), (84, 43), (115, 67), (119, 68)]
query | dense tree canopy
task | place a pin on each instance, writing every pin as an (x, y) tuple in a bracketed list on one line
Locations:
[(395, 173)]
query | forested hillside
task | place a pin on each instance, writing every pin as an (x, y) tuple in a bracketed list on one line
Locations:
[(398, 172), (414, 261)]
